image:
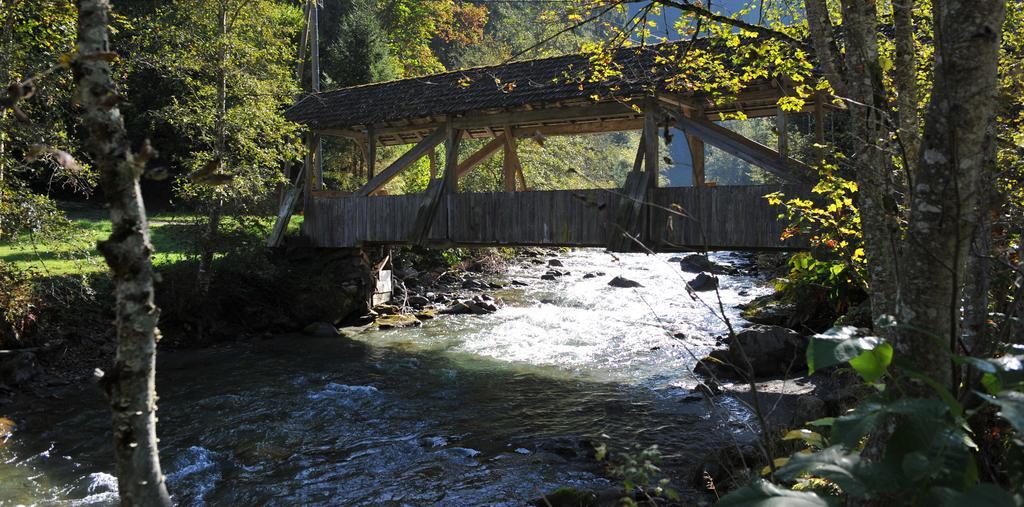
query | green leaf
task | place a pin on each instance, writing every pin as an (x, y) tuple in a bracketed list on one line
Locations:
[(838, 345), (835, 464), (1011, 407), (916, 465), (809, 437), (765, 494), (871, 364), (824, 422)]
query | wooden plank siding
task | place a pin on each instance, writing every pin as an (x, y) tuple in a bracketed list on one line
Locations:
[(679, 219)]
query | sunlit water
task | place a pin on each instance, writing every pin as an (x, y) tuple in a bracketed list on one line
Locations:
[(466, 410)]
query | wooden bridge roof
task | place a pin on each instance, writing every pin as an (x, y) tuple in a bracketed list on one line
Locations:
[(406, 110)]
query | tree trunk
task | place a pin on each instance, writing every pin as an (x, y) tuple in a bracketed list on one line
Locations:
[(905, 82), (871, 159), (944, 188), (209, 241), (131, 382)]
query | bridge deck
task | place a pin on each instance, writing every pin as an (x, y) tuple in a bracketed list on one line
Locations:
[(677, 219)]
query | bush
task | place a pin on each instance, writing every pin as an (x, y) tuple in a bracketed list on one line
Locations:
[(18, 305)]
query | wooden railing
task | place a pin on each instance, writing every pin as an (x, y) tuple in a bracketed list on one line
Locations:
[(675, 219)]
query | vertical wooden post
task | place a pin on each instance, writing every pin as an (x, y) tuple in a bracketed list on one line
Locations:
[(371, 153), (697, 157), (780, 127), (451, 159), (819, 118), (433, 163), (650, 141), (510, 160), (316, 174), (696, 145)]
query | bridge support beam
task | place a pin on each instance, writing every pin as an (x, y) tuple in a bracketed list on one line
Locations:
[(438, 188), (630, 223)]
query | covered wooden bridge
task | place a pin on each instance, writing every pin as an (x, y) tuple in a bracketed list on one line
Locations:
[(530, 99)]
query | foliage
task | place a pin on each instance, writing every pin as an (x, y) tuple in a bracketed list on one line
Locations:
[(831, 223), (17, 304), (184, 46), (639, 472), (930, 454), (361, 53)]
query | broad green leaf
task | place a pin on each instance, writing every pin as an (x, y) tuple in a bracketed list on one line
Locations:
[(836, 346), (811, 438), (835, 464), (765, 494), (1011, 407), (871, 364), (824, 422)]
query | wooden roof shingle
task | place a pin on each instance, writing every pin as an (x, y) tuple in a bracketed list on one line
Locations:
[(511, 85)]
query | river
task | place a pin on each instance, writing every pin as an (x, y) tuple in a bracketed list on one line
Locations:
[(465, 410)]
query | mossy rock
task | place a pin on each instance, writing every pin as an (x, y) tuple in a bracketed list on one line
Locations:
[(397, 321), (426, 314)]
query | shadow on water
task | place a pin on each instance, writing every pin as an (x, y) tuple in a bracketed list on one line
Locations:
[(300, 420)]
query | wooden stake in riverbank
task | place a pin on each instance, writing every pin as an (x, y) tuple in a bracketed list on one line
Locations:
[(131, 383)]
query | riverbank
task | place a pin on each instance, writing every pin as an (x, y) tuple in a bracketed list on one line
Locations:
[(564, 363)]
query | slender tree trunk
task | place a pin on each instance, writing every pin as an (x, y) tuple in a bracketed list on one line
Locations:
[(871, 158), (132, 381), (905, 82), (209, 241), (945, 187)]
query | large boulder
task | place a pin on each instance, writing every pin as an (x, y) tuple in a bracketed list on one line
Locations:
[(623, 283), (696, 263), (704, 282), (760, 351)]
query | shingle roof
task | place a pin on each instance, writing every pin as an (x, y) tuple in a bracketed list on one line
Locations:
[(510, 85)]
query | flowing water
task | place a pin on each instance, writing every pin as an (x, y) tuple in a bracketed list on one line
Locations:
[(465, 410)]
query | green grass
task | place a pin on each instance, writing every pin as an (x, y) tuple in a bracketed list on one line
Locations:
[(173, 237)]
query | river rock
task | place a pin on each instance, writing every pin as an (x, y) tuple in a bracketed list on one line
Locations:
[(518, 283), (704, 282), (770, 350), (387, 309), (417, 301), (624, 283), (548, 276), (321, 330), (473, 284), (458, 308), (470, 306), (595, 274), (397, 321), (482, 307), (555, 263), (808, 408), (425, 315), (17, 367), (696, 263), (770, 310)]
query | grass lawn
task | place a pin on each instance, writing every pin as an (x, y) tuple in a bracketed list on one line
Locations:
[(173, 237)]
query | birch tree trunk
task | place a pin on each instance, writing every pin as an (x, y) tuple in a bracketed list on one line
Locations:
[(945, 186), (857, 78), (127, 251), (905, 82)]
